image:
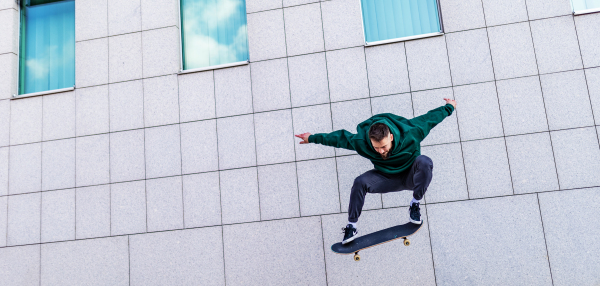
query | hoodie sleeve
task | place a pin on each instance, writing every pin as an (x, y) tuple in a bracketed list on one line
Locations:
[(339, 139), (427, 121)]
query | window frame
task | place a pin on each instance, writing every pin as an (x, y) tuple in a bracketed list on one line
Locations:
[(402, 39), (208, 68)]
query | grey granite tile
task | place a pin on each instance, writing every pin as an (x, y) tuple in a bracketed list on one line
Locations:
[(487, 169), (176, 257), (126, 103), (58, 164), (476, 247), (199, 147), (537, 9), (261, 5), (165, 203), (287, 3), (304, 29), (346, 115), (556, 45), (124, 16), (447, 130), (26, 120), (577, 157), (342, 24), (318, 187), (512, 51), (91, 21), (58, 116), (4, 122), (91, 61), (125, 57), (573, 259), (522, 105), (428, 65), (567, 100), (161, 101), (20, 265), (278, 190), (58, 215), (449, 180), (128, 208), (91, 110), (478, 113), (274, 137), (24, 219), (101, 261), (504, 12), (25, 169), (387, 69), (589, 38), (254, 262), (231, 132), (266, 35), (127, 159), (469, 56), (160, 49), (270, 85), (462, 15), (163, 151), (9, 20), (348, 169), (593, 84), (92, 212), (9, 70), (233, 92), (378, 265), (92, 162), (399, 104), (201, 200), (3, 220), (196, 96), (347, 74), (308, 79), (159, 13), (312, 119), (4, 171), (532, 163), (239, 195)]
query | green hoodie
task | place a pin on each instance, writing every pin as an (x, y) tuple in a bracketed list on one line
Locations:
[(408, 135)]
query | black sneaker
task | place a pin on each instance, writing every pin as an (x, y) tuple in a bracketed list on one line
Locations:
[(349, 233), (414, 214)]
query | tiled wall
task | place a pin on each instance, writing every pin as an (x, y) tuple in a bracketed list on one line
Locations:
[(142, 176)]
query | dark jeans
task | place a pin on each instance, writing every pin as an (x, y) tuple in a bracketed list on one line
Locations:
[(417, 179)]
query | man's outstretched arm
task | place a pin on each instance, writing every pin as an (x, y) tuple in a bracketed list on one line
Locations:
[(427, 121), (338, 139)]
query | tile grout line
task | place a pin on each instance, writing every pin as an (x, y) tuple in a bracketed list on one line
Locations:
[(129, 259), (180, 154), (539, 78), (144, 126), (412, 103), (545, 242), (323, 241), (219, 176), (255, 147), (430, 244), (498, 99)]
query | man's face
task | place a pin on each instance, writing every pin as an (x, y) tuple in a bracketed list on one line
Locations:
[(383, 147)]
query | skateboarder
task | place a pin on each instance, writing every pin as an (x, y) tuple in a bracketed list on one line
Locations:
[(392, 143)]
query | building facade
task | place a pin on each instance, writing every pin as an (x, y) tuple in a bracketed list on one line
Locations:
[(146, 173)]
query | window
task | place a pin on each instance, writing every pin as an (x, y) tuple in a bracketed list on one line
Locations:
[(385, 20), (585, 6), (47, 48), (213, 33)]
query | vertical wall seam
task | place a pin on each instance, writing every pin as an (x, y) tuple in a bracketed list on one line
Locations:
[(537, 195)]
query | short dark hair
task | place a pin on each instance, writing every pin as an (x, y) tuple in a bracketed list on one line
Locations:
[(379, 131)]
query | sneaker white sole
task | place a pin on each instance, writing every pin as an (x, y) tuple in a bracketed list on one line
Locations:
[(349, 240)]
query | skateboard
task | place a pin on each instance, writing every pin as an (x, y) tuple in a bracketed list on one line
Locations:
[(376, 238)]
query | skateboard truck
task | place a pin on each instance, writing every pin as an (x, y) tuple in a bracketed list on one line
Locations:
[(356, 256)]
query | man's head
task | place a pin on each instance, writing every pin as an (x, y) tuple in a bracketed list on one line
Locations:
[(381, 139)]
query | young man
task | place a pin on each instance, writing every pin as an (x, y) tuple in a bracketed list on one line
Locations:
[(393, 144)]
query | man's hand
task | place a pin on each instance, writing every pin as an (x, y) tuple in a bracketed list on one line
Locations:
[(453, 102), (303, 136)]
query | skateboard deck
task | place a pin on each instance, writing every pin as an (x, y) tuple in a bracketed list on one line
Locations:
[(376, 238)]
